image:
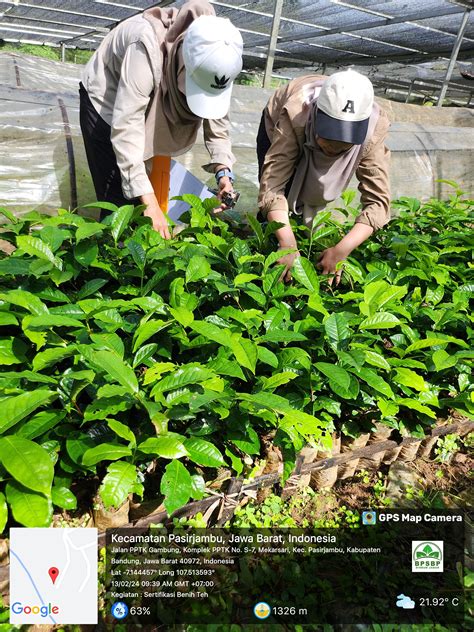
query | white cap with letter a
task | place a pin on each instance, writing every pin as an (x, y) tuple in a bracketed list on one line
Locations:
[(344, 107), (212, 52)]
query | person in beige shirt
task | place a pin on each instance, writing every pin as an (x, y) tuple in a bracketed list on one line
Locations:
[(146, 91), (315, 134)]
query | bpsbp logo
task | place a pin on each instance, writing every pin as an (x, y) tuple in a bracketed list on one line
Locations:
[(369, 517), (427, 556)]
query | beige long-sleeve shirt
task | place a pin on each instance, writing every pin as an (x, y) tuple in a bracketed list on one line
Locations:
[(121, 79), (285, 119)]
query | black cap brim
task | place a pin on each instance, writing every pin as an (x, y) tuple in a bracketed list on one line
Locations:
[(345, 131)]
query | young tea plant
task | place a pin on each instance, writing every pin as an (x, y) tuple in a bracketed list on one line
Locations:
[(135, 365)]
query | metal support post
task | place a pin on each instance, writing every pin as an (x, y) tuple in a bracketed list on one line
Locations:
[(454, 56), (273, 43), (63, 52), (410, 90)]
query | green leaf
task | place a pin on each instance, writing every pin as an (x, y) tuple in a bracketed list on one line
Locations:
[(381, 320), (110, 342), (268, 401), (118, 483), (379, 293), (198, 268), (176, 485), (52, 356), (63, 497), (107, 206), (46, 321), (8, 319), (275, 256), (14, 409), (182, 377), (104, 452), (247, 440), (122, 431), (27, 462), (236, 463), (407, 377), (211, 332), (388, 409), (375, 381), (267, 357), (416, 405), (88, 229), (350, 392), (376, 359), (245, 351), (9, 216), (245, 277), (182, 315), (137, 252), (303, 271), (37, 248), (305, 424), (337, 330), (14, 266), (155, 372), (118, 370), (199, 487), (443, 360), (146, 330), (168, 446), (12, 351), (282, 336), (204, 453), (3, 512), (86, 253), (90, 288), (432, 341), (273, 382), (24, 299), (40, 423), (29, 508), (143, 354), (256, 227), (120, 220), (222, 366), (335, 373)]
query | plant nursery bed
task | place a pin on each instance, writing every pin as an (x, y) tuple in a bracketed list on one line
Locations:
[(138, 369)]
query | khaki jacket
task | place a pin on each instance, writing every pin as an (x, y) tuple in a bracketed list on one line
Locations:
[(123, 79), (285, 119)]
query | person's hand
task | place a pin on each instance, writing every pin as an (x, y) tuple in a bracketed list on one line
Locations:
[(154, 212), (225, 186), (288, 261), (328, 261)]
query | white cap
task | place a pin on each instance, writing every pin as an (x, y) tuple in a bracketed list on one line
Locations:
[(344, 107), (212, 52)]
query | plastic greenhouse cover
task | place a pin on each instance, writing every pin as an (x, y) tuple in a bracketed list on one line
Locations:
[(43, 163)]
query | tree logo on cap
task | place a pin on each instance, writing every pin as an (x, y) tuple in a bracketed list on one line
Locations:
[(349, 107), (221, 83)]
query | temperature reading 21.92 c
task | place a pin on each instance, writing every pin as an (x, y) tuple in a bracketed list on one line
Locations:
[(434, 602)]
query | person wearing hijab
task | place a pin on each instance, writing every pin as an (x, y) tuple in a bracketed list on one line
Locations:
[(315, 134), (146, 91)]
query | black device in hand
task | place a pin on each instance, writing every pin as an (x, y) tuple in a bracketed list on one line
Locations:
[(230, 198)]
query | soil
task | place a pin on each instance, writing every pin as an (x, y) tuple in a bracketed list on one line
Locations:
[(453, 488)]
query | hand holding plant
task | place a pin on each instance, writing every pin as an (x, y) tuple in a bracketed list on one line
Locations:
[(287, 261), (332, 256), (154, 212)]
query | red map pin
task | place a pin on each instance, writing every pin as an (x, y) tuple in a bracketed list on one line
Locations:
[(53, 573)]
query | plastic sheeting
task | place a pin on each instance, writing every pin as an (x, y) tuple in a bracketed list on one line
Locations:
[(43, 163)]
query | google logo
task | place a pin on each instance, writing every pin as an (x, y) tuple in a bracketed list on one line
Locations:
[(44, 611)]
